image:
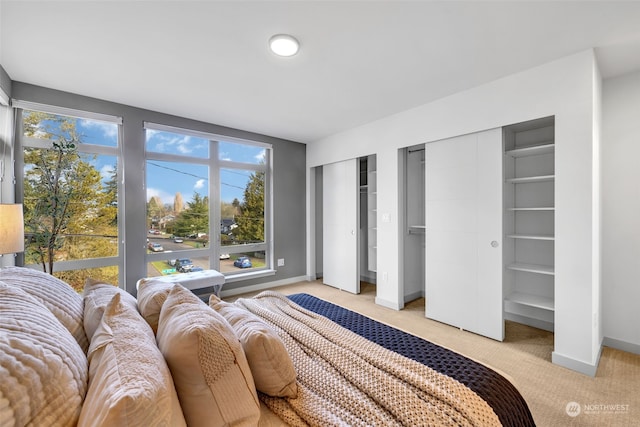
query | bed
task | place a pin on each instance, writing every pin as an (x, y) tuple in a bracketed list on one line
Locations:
[(353, 370)]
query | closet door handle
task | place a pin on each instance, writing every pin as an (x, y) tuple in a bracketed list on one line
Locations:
[(494, 244)]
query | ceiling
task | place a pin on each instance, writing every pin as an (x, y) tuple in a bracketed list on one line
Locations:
[(359, 61)]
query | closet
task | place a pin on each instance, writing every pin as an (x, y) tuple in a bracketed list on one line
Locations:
[(349, 223), (489, 222), (529, 210), (463, 220), (412, 193), (368, 219)]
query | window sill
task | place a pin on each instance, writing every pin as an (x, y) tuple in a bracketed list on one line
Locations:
[(249, 275)]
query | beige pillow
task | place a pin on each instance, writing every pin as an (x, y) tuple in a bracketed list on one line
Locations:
[(97, 295), (151, 295), (129, 381), (270, 363), (60, 298), (209, 368), (43, 370)]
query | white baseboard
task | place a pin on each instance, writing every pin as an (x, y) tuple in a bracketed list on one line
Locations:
[(576, 365), (388, 304), (621, 345), (536, 323), (368, 279), (263, 286), (413, 296)]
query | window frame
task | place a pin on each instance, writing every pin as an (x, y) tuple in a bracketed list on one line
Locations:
[(22, 142), (215, 165)]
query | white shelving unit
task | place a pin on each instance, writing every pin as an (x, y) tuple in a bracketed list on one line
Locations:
[(372, 215), (529, 223)]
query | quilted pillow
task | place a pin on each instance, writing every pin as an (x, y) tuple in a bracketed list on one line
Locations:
[(270, 363), (60, 298), (97, 295), (43, 370), (209, 368), (151, 295), (129, 381)]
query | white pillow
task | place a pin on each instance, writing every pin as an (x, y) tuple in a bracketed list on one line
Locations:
[(151, 295), (129, 381), (97, 295), (209, 368), (270, 363), (43, 370), (61, 299)]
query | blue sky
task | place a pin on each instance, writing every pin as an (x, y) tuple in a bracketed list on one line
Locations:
[(165, 179)]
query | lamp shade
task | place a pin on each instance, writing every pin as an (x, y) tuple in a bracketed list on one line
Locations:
[(11, 229)]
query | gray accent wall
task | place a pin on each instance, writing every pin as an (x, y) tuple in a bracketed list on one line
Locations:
[(5, 81), (289, 181)]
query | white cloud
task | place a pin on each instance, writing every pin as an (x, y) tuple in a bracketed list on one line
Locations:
[(170, 143), (260, 157), (109, 130), (199, 184)]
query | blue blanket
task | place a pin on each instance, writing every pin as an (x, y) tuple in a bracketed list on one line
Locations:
[(497, 391)]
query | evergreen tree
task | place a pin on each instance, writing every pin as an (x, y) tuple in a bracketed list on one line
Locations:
[(251, 221), (194, 219)]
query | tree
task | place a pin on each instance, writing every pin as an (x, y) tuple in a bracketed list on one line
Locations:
[(64, 198), (178, 203), (251, 221), (110, 208), (194, 219), (228, 210), (155, 209)]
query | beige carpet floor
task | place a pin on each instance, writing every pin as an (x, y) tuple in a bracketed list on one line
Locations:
[(611, 398)]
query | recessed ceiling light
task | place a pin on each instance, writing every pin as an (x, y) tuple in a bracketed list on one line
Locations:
[(284, 45)]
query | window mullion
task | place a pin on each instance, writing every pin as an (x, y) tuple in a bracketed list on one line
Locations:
[(214, 205)]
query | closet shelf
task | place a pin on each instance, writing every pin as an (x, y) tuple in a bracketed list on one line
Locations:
[(531, 236), (532, 268), (530, 179), (532, 150), (542, 208), (531, 300)]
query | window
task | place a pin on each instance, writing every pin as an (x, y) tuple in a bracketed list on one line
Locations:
[(70, 189), (208, 203)]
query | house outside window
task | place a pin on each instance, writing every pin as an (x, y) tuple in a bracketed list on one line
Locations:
[(208, 203), (70, 190)]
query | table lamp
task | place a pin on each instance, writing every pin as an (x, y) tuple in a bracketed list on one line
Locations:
[(11, 229)]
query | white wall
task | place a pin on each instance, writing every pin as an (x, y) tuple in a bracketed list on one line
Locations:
[(563, 88), (621, 212)]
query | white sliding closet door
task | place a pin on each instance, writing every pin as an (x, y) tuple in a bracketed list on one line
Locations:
[(464, 232), (340, 200)]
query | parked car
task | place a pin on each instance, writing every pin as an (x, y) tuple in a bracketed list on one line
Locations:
[(180, 262), (224, 256), (155, 247), (186, 268), (242, 262), (178, 240), (184, 265), (196, 268)]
